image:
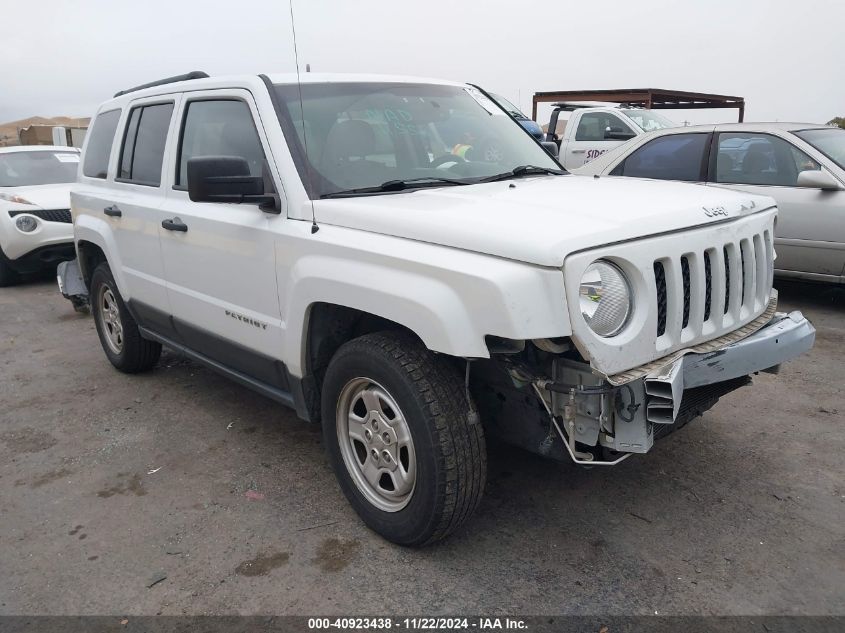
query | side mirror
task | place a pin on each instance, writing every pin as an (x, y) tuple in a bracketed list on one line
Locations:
[(618, 134), (226, 179), (817, 179), (550, 147)]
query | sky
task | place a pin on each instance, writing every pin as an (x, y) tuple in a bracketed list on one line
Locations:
[(62, 57)]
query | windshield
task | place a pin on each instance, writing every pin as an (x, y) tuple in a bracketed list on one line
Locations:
[(829, 141), (360, 135), (647, 120), (507, 105), (21, 169)]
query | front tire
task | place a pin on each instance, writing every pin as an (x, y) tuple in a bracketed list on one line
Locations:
[(403, 440), (8, 277), (119, 335)]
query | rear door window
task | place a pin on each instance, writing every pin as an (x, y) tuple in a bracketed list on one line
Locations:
[(671, 157), (143, 144), (101, 137)]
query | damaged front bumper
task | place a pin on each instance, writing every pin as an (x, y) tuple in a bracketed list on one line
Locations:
[(591, 411), (71, 284), (784, 337)]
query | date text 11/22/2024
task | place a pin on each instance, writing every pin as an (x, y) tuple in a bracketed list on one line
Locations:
[(418, 624)]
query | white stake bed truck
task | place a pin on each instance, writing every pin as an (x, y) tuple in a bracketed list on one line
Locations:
[(590, 131)]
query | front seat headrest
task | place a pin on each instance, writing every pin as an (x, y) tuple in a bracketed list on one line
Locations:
[(756, 160), (348, 139)]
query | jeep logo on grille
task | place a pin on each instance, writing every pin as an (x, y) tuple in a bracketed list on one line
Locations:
[(712, 212)]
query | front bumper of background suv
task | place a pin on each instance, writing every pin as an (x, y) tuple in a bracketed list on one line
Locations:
[(50, 243)]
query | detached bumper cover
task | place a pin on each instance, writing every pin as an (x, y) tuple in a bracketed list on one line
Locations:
[(70, 280), (71, 284), (783, 338)]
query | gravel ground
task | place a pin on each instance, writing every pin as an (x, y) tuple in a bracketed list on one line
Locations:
[(180, 492)]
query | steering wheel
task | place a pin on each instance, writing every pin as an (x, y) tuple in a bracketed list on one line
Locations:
[(447, 158)]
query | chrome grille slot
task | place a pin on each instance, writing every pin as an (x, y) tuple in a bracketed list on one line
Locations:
[(734, 285), (686, 281), (660, 283), (708, 285), (727, 279), (761, 274), (770, 260), (745, 261)]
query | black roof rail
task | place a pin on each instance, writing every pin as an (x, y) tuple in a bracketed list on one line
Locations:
[(196, 74)]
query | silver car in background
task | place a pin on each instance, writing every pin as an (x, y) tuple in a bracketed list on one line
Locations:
[(800, 165)]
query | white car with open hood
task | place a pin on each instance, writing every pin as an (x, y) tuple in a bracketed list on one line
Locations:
[(35, 221), (348, 247)]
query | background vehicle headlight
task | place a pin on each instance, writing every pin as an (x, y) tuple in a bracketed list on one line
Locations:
[(26, 223), (605, 298)]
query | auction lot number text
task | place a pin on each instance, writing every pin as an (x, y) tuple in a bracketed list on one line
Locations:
[(418, 624)]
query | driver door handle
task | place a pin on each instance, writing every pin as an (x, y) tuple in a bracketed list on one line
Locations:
[(174, 224)]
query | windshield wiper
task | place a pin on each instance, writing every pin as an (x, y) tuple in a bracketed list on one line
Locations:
[(524, 170), (397, 185)]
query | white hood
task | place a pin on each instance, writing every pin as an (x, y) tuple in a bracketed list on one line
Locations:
[(539, 220), (55, 196)]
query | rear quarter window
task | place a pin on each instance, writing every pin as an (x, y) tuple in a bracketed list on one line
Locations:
[(98, 150)]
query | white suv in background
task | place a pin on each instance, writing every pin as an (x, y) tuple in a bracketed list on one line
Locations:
[(35, 221), (346, 247)]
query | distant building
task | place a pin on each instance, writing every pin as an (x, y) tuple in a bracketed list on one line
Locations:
[(39, 130), (52, 135)]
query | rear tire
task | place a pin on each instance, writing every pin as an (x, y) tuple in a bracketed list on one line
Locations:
[(426, 478), (119, 335)]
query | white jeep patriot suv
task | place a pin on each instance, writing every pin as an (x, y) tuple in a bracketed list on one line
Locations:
[(347, 246)]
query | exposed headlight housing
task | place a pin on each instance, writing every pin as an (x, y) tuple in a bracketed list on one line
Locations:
[(605, 298), (26, 223)]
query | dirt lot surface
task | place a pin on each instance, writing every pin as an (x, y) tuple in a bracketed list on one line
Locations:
[(180, 492)]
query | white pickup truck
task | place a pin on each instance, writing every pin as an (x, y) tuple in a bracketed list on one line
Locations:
[(590, 131), (323, 244)]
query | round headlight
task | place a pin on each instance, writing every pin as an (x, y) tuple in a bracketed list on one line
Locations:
[(26, 223), (605, 298)]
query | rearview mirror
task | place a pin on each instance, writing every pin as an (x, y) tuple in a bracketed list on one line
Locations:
[(550, 147), (817, 179), (618, 134), (226, 179)]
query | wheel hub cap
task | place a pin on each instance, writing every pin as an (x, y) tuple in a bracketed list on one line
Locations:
[(376, 445), (110, 317)]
